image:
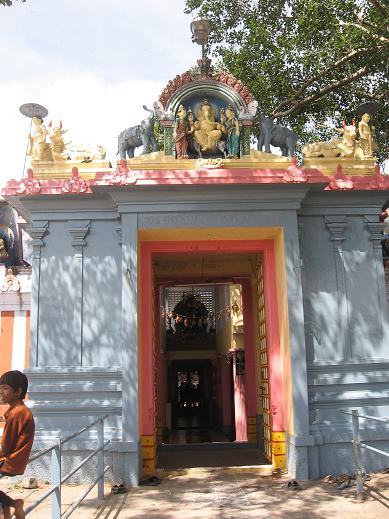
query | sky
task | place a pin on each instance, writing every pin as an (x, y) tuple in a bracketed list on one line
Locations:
[(91, 63)]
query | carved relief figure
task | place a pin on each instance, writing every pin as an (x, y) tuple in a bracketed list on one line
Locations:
[(209, 132), (180, 133), (232, 129)]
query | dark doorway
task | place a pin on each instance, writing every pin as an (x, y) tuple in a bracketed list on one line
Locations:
[(192, 394)]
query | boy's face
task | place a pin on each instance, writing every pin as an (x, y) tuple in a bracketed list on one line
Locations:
[(9, 395)]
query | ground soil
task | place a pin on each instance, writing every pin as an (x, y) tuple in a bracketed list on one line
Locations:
[(222, 495)]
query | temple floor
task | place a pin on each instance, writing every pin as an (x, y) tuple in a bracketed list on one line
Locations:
[(209, 455), (193, 443), (194, 429)]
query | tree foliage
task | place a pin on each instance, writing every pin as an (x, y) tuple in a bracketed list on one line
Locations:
[(8, 2), (308, 61)]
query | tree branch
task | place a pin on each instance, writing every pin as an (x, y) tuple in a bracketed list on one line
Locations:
[(377, 4), (373, 28), (324, 91), (364, 28), (321, 74)]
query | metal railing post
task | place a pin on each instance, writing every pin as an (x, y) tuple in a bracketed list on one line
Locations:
[(357, 455), (100, 459), (56, 480)]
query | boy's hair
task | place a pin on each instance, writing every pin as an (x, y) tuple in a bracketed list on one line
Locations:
[(16, 379)]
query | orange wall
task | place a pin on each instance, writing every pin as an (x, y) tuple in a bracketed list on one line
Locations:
[(10, 332)]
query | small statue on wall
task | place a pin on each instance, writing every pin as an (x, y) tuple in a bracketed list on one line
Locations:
[(232, 129), (39, 148), (272, 134), (10, 282), (348, 146), (3, 249), (58, 144), (208, 132), (180, 133), (367, 136)]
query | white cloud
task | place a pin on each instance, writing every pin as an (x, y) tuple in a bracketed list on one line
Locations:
[(91, 64), (93, 110)]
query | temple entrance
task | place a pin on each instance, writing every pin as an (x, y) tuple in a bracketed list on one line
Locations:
[(211, 370)]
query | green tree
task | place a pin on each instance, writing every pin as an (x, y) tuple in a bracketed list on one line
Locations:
[(8, 2), (309, 63)]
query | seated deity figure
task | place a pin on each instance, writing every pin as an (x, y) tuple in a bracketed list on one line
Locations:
[(180, 133), (209, 131), (232, 129), (366, 136), (38, 148)]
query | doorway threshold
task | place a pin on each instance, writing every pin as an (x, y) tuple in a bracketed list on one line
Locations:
[(260, 470), (206, 446)]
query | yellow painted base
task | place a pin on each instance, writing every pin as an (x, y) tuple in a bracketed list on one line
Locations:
[(252, 432), (149, 454), (158, 160), (62, 169), (278, 448), (349, 166)]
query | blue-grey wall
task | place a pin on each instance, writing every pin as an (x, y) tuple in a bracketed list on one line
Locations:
[(84, 316), (346, 325)]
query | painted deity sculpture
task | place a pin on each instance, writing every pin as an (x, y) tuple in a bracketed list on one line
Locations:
[(367, 136), (208, 132), (232, 129), (180, 133), (38, 148), (347, 146), (58, 144)]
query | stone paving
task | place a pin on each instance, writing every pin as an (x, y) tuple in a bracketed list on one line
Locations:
[(222, 495)]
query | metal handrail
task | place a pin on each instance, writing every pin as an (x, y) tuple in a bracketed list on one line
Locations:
[(57, 480), (89, 426), (384, 420), (358, 446)]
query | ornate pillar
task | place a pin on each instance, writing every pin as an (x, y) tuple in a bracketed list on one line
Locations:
[(375, 230), (78, 229), (336, 225), (245, 141), (37, 230), (167, 126)]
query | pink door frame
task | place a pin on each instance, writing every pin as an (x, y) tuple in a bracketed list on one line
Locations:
[(146, 354)]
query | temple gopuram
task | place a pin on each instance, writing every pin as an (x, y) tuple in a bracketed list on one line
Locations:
[(207, 296)]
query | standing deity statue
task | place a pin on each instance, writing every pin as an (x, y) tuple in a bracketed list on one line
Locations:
[(38, 148), (366, 136), (232, 129), (180, 133)]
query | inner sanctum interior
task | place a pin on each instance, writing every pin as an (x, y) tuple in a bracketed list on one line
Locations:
[(211, 384)]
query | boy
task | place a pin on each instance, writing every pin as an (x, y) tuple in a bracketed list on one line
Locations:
[(18, 435)]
